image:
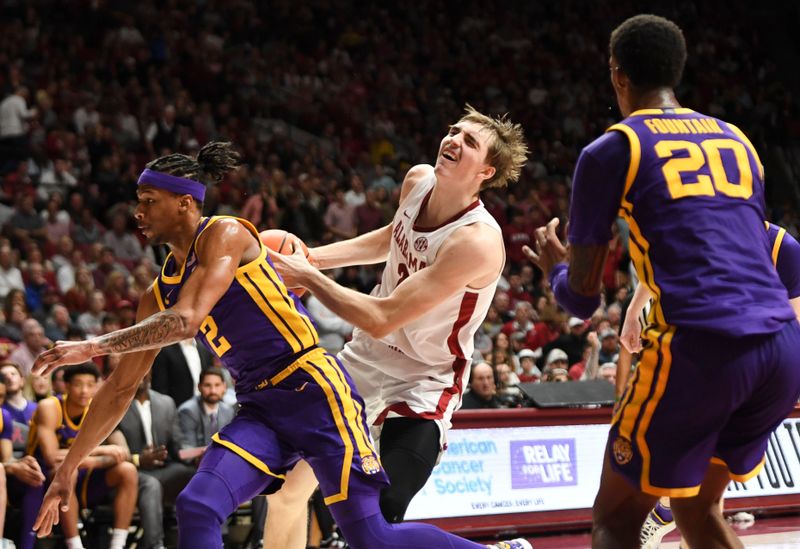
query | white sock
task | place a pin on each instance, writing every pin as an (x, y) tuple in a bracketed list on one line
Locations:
[(74, 543), (118, 538)]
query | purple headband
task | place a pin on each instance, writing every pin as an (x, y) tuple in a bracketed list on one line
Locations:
[(174, 184)]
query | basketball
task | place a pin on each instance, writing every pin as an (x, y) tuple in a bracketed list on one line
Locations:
[(283, 242)]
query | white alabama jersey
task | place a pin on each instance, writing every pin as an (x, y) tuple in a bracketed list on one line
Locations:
[(420, 369)]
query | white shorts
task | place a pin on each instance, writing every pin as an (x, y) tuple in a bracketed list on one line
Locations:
[(394, 385)]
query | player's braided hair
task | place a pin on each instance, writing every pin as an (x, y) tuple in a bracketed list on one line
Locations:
[(650, 50), (213, 161)]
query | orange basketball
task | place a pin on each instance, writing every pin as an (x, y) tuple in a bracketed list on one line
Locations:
[(283, 242)]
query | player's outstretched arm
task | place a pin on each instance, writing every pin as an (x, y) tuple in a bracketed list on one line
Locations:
[(366, 249), (219, 251), (473, 256), (371, 247)]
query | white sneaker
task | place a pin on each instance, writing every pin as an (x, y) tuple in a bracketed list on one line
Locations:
[(518, 543), (653, 531)]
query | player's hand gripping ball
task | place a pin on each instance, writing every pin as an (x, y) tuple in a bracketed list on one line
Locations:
[(283, 242)]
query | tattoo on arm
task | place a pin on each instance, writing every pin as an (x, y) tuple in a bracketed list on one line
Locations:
[(586, 268), (153, 332)]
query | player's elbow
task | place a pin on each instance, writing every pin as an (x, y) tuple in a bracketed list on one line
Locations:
[(378, 325)]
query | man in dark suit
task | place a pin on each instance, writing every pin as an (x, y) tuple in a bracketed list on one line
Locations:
[(176, 369), (151, 429), (204, 415)]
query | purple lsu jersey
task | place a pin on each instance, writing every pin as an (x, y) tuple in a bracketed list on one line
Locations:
[(66, 431), (694, 201), (785, 251), (6, 425), (257, 327)]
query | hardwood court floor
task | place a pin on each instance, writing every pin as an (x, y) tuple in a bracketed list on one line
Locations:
[(765, 533)]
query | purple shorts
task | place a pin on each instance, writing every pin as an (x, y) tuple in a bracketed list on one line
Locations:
[(699, 397), (91, 488), (311, 411)]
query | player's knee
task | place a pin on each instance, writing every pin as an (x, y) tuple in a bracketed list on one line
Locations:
[(394, 502), (205, 496)]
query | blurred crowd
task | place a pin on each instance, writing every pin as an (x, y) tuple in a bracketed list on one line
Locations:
[(330, 103)]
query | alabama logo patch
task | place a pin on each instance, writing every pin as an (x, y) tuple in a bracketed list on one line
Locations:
[(623, 453)]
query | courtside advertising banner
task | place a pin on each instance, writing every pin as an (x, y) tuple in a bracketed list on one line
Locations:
[(513, 470), (525, 469)]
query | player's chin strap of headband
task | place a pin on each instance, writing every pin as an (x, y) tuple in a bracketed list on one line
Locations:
[(172, 183)]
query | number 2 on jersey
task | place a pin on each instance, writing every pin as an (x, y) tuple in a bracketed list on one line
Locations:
[(677, 170), (210, 329)]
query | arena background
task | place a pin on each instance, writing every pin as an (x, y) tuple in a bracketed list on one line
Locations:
[(330, 102)]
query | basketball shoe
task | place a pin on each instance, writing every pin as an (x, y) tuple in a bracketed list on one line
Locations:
[(518, 543), (659, 523)]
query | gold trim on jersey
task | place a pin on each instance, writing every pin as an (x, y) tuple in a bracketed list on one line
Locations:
[(776, 247), (678, 110), (245, 455), (338, 417), (157, 295), (68, 420), (267, 291), (639, 252)]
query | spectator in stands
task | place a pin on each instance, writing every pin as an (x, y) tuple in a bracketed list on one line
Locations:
[(502, 304), (56, 423), (36, 288), (151, 429), (261, 209), (522, 321), (14, 117), (202, 416), (529, 372), (482, 389), (57, 382), (555, 367), (33, 343), (571, 342), (609, 346), (586, 368), (66, 272), (517, 234), (548, 329), (517, 292), (58, 323), (369, 215), (87, 230), (508, 391), (39, 387), (10, 275), (608, 371), (18, 477), (176, 369), (340, 217), (121, 241), (26, 223), (56, 178), (92, 320), (78, 296), (492, 324), (20, 408), (126, 313)]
